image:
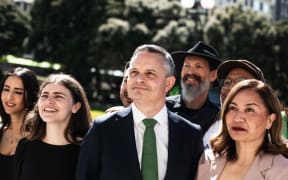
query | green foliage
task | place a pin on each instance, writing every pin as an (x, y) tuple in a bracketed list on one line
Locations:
[(63, 31), (103, 34), (244, 34), (14, 28), (97, 113), (279, 73), (237, 33)]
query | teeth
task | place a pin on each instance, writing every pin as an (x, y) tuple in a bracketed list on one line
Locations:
[(10, 104), (190, 78), (49, 110)]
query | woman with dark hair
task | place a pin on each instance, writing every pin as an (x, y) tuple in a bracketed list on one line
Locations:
[(250, 145), (56, 127), (19, 89)]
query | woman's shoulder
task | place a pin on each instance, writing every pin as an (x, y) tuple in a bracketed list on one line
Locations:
[(273, 159), (274, 166), (279, 169), (281, 161)]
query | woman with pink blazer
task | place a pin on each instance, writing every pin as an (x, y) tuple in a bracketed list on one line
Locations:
[(249, 146)]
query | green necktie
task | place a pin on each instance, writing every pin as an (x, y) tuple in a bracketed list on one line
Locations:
[(149, 165)]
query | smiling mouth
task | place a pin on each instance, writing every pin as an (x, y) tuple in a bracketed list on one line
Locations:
[(192, 77), (190, 80), (10, 104), (49, 110)]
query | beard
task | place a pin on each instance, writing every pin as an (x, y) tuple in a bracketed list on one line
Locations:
[(189, 91)]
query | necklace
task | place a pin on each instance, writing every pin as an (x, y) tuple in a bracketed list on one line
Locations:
[(10, 137), (9, 141)]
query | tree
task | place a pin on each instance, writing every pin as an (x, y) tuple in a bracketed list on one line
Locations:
[(14, 28), (102, 34), (244, 34), (137, 22), (279, 74), (63, 31)]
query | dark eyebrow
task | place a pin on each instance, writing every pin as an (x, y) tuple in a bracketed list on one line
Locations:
[(233, 103), (249, 104), (55, 93), (59, 93), (21, 89)]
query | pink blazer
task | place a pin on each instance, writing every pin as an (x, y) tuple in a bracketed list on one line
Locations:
[(265, 167)]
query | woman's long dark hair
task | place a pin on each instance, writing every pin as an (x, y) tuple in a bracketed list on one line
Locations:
[(31, 88)]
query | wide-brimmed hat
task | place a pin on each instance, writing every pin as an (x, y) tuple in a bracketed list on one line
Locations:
[(225, 67), (200, 49)]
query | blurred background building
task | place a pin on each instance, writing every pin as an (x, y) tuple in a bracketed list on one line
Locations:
[(273, 9), (25, 5), (86, 37)]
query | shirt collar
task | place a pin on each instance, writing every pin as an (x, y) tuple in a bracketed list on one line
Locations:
[(161, 117)]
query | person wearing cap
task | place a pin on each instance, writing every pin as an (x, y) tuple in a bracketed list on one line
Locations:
[(229, 73), (197, 70)]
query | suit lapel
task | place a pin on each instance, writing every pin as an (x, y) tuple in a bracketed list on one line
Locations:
[(217, 168), (261, 164), (126, 138), (173, 150)]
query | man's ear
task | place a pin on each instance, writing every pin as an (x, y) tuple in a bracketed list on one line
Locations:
[(170, 81), (213, 75)]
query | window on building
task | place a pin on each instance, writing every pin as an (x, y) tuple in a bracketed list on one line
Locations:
[(266, 8), (246, 3), (256, 5), (261, 6)]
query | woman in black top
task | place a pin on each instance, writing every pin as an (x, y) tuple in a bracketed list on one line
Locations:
[(57, 125), (19, 89)]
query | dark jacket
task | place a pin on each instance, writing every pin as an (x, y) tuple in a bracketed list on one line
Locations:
[(205, 116), (109, 150)]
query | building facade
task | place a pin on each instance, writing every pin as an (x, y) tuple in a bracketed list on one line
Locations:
[(281, 10), (272, 9), (24, 5)]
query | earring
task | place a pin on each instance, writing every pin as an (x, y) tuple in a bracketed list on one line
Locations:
[(269, 136)]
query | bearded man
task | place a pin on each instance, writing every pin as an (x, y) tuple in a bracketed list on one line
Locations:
[(197, 70)]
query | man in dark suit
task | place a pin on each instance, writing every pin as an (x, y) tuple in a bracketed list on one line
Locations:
[(113, 148)]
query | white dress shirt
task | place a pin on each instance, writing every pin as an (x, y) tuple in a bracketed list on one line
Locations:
[(161, 133)]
